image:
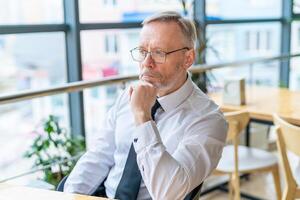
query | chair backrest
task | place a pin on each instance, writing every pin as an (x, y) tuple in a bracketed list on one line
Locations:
[(237, 122), (288, 137), (289, 133)]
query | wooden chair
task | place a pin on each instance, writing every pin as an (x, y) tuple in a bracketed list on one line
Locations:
[(288, 137), (238, 159)]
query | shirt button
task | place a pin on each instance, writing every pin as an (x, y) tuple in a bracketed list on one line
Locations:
[(135, 139)]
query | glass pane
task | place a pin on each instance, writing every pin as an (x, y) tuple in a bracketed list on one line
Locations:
[(97, 102), (18, 125), (31, 12), (28, 61), (227, 43), (295, 62), (106, 53), (126, 10), (237, 9), (296, 6)]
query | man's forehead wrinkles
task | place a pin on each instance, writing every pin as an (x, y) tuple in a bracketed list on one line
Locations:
[(157, 44), (154, 44)]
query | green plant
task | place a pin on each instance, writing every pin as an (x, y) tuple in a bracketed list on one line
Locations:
[(54, 151)]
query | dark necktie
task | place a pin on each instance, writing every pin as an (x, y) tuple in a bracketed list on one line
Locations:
[(130, 182)]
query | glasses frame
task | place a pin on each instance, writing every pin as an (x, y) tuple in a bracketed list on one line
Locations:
[(150, 52)]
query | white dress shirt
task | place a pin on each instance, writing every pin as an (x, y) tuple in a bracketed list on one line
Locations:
[(174, 154)]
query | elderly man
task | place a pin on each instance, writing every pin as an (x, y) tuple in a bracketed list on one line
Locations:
[(163, 136)]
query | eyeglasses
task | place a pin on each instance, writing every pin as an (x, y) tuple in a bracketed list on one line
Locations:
[(139, 54)]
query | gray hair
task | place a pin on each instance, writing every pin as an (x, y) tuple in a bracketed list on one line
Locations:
[(187, 26)]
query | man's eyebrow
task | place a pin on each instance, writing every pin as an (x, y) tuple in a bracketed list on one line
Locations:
[(152, 48)]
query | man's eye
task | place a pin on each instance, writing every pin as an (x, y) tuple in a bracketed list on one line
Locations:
[(159, 53), (141, 51)]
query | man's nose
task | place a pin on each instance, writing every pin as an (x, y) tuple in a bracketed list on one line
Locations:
[(148, 61)]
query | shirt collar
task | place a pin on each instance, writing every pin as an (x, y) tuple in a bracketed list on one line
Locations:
[(174, 99)]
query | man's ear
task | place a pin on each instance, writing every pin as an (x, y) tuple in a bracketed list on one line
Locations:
[(190, 56)]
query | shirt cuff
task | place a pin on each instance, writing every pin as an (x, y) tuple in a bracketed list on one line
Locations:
[(145, 134)]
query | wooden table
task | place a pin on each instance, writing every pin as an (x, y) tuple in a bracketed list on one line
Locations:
[(262, 102), (13, 192)]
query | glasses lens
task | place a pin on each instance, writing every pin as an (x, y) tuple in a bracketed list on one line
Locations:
[(138, 54), (158, 56)]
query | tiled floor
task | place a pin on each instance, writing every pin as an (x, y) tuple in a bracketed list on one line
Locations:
[(260, 185)]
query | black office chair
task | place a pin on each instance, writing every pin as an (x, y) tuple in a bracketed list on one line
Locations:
[(193, 195)]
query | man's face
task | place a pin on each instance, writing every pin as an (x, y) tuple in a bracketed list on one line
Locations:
[(170, 75)]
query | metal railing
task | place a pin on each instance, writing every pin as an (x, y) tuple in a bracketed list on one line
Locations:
[(41, 168), (81, 85)]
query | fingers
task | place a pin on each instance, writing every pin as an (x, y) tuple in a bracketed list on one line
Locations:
[(142, 89), (142, 82)]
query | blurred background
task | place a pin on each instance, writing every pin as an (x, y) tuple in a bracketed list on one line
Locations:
[(52, 42)]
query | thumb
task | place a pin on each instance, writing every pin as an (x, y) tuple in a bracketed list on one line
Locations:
[(130, 92)]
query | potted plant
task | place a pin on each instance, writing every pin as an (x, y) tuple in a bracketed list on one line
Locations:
[(55, 151)]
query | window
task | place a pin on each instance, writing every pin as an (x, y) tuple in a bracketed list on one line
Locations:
[(296, 6), (251, 41), (38, 60), (111, 44), (31, 12), (92, 11), (295, 62), (242, 9), (247, 40), (1, 43), (268, 39), (235, 42), (107, 52), (258, 40), (298, 36), (239, 42), (110, 2), (29, 61)]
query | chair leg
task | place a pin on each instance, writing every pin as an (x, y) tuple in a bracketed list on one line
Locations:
[(230, 187), (237, 193), (288, 195), (234, 190), (275, 173)]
